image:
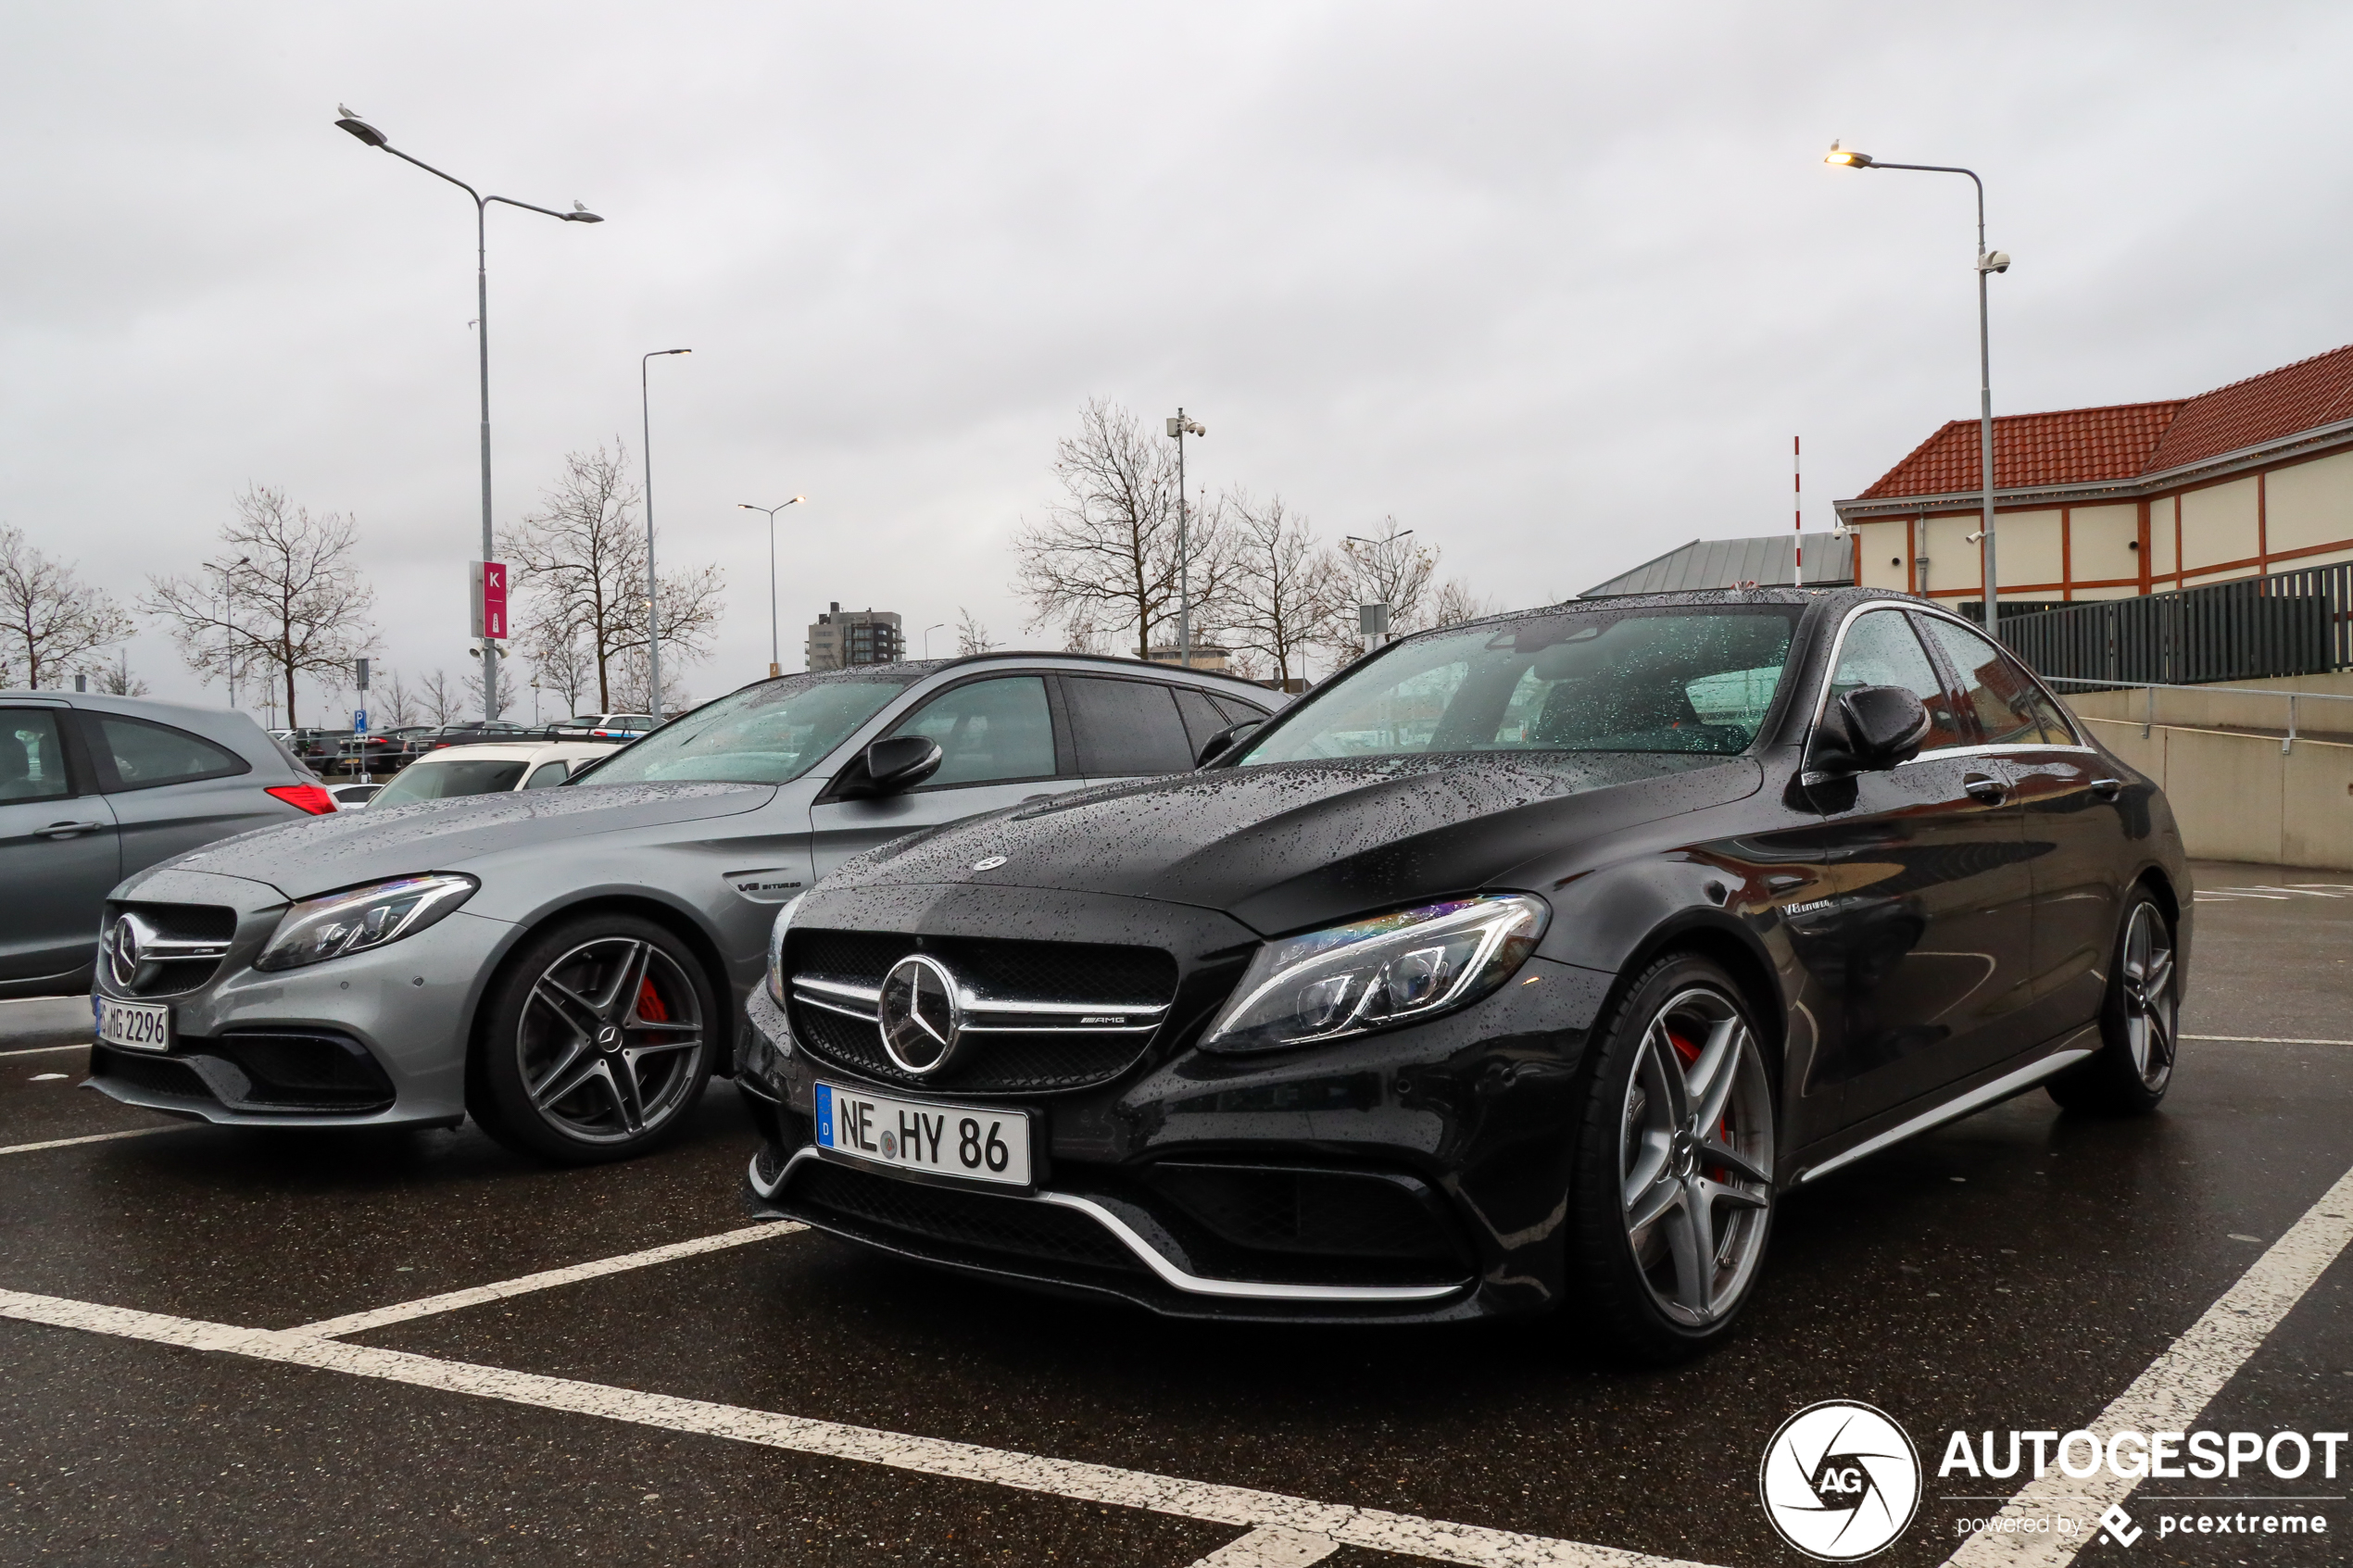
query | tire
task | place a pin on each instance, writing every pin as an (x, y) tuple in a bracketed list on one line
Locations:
[(595, 1042), (1670, 1224), (2140, 1021)]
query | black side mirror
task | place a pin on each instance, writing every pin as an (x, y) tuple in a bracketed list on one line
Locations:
[(1224, 741), (889, 766), (1872, 728)]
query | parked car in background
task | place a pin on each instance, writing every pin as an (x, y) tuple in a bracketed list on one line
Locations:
[(351, 797), (97, 788), (487, 769), (372, 753), (602, 726), (475, 732), (569, 965), (1527, 960)]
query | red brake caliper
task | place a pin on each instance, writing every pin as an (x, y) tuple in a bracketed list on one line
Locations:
[(649, 1006), (1689, 1051)]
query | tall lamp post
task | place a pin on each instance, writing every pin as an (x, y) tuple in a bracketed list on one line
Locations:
[(928, 632), (228, 623), (1382, 631), (653, 592), (579, 214), (1180, 428), (776, 648), (1988, 263)]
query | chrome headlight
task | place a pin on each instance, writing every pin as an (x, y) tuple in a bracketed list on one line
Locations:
[(1369, 974), (776, 949), (361, 918)]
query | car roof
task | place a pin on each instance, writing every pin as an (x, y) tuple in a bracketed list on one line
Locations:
[(1764, 593), (231, 727), (509, 751), (915, 670)]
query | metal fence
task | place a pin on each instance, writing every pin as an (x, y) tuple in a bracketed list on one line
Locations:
[(2296, 622)]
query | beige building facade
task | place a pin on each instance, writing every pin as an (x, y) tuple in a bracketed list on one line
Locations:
[(2136, 498)]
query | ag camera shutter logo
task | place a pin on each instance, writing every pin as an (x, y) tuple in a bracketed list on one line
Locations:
[(1840, 1481)]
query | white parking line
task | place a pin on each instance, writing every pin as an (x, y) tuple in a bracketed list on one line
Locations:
[(1374, 1529), (475, 1295), (2263, 1040), (44, 1050), (1270, 1547), (92, 1137), (2178, 1384)]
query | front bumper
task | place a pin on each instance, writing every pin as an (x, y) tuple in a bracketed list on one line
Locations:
[(1417, 1176), (376, 1038)]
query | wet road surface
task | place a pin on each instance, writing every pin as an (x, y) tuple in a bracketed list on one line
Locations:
[(2016, 1271)]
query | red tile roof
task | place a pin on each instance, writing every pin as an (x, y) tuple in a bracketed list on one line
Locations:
[(2127, 439)]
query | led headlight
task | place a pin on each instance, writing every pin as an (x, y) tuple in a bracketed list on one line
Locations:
[(1368, 974), (777, 949), (360, 918)]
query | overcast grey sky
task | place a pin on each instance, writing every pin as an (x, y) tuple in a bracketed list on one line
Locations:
[(1555, 285)]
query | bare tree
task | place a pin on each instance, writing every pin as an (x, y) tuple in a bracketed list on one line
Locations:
[(477, 698), (1455, 604), (440, 699), (116, 679), (292, 599), (1287, 594), (972, 637), (580, 563), (1108, 545), (399, 703), (1392, 570), (55, 623), (558, 663)]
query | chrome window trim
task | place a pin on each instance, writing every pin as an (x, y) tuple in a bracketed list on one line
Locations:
[(1838, 647), (1168, 1273)]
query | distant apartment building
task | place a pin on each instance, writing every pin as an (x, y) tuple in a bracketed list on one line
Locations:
[(1207, 656), (2251, 479), (840, 638)]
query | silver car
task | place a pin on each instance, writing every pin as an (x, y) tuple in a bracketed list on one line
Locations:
[(93, 788), (569, 965)]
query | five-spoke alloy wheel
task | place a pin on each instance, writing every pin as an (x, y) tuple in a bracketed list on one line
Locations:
[(2140, 1022), (1674, 1174), (597, 1039)]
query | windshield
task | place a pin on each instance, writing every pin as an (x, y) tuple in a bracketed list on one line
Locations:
[(443, 780), (768, 733), (1665, 680)]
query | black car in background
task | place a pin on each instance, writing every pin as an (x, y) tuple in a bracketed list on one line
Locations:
[(1526, 962)]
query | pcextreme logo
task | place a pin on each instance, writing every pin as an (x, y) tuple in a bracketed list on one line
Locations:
[(1840, 1481)]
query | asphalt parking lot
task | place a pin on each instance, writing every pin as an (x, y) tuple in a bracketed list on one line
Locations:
[(228, 1347)]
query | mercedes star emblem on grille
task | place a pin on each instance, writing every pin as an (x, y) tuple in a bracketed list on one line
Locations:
[(920, 1014), (123, 941)]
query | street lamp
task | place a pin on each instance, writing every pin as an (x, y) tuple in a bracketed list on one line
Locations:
[(775, 649), (1180, 428), (1370, 633), (228, 624), (579, 214), (1988, 262), (928, 632), (653, 592)]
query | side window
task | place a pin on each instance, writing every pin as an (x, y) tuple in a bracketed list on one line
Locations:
[(33, 756), (1236, 711), (1880, 650), (1203, 719), (547, 775), (145, 755), (988, 731), (2010, 710), (1126, 727)]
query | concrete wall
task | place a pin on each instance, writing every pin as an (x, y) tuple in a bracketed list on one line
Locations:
[(2236, 796)]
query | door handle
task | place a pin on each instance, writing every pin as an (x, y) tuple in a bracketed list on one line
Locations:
[(2107, 789), (65, 829), (1993, 791)]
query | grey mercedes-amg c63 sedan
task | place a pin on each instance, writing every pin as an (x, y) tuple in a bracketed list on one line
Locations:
[(569, 965)]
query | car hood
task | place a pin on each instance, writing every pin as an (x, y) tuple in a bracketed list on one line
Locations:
[(1287, 846), (318, 854)]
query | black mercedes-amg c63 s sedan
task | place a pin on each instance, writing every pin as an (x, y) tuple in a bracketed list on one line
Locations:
[(1526, 962)]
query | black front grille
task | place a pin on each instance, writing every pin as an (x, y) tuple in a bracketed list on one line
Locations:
[(173, 922), (886, 1209), (148, 1074), (303, 1071), (1024, 1063)]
